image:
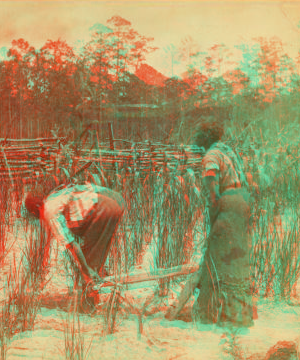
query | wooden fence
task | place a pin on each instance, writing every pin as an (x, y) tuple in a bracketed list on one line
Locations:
[(27, 160), (143, 158)]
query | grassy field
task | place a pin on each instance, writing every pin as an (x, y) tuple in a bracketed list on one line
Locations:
[(169, 219)]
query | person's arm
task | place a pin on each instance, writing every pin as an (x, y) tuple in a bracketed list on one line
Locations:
[(77, 254), (191, 181), (211, 186), (55, 220)]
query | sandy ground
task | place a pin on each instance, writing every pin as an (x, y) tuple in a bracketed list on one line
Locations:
[(160, 339)]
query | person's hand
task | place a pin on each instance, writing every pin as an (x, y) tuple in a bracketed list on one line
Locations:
[(93, 275)]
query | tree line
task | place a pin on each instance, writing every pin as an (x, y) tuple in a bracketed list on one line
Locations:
[(59, 89)]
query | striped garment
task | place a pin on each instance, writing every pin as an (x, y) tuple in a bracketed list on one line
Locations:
[(68, 208), (221, 159)]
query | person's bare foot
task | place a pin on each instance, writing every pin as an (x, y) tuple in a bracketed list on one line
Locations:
[(163, 292), (172, 312)]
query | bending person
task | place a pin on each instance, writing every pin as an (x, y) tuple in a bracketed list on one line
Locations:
[(88, 211)]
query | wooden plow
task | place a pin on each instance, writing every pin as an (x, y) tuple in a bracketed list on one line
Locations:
[(133, 278), (117, 300)]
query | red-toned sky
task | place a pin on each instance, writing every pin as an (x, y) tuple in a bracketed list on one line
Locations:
[(207, 22)]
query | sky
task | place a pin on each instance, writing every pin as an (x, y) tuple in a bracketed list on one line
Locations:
[(206, 22)]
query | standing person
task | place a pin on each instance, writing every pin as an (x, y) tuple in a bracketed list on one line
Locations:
[(224, 278), (88, 211)]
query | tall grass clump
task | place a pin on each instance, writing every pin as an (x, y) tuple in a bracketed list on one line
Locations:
[(3, 235), (275, 248), (25, 282), (4, 331), (4, 217), (134, 230), (19, 307), (74, 339), (176, 215), (274, 164), (5, 193), (37, 251)]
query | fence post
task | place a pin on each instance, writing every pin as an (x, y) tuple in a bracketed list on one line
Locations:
[(111, 136), (101, 170), (112, 146), (7, 165)]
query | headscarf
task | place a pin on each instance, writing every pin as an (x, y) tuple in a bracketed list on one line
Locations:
[(34, 204)]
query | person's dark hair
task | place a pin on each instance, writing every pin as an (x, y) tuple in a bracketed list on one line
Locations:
[(208, 133), (34, 204)]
